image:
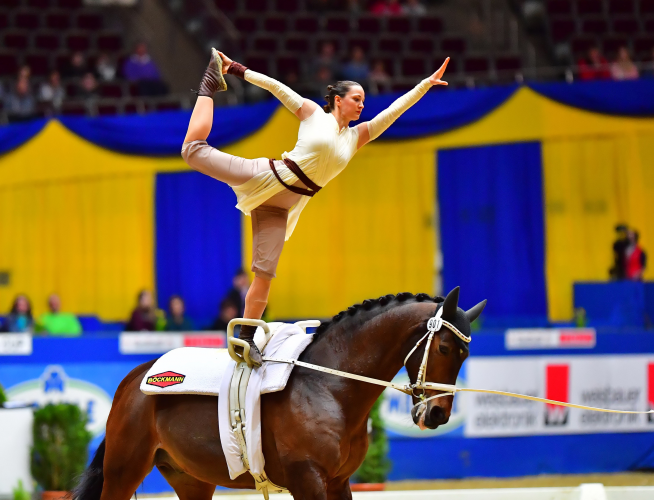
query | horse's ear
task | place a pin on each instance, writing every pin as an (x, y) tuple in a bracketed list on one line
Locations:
[(474, 312), (451, 303)]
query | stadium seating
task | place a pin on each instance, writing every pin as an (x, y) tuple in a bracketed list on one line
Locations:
[(608, 24)]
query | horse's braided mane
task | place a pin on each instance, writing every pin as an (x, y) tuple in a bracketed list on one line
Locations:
[(382, 301)]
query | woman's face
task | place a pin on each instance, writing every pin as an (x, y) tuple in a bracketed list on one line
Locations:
[(146, 300), (177, 307), (22, 305), (352, 104)]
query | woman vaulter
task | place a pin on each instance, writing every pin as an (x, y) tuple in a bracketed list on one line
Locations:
[(274, 192)]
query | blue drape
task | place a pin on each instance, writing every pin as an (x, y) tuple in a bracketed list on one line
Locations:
[(198, 242), (492, 230), (14, 135), (162, 134), (628, 98), (439, 110)]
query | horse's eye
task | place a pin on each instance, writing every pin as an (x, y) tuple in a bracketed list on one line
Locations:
[(444, 350)]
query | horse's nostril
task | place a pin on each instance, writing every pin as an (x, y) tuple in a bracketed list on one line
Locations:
[(438, 415)]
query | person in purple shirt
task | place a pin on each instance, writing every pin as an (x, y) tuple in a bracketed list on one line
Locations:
[(141, 70)]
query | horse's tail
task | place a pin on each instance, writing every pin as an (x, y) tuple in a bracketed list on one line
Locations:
[(89, 486)]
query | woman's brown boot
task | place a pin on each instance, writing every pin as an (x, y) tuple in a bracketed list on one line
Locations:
[(213, 80), (247, 334)]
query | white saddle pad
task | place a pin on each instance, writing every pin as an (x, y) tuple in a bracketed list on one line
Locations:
[(199, 370)]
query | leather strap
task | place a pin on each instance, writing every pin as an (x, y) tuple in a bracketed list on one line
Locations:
[(237, 69), (292, 166)]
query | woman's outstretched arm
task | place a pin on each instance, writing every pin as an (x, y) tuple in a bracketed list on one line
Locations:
[(369, 131), (294, 102)]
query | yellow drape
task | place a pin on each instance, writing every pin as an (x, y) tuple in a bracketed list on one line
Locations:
[(89, 240), (591, 184), (77, 220)]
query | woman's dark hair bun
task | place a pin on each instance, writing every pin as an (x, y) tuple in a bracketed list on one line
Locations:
[(340, 89)]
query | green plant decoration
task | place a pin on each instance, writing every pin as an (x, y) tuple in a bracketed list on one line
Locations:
[(376, 465), (3, 396), (20, 493), (60, 446)]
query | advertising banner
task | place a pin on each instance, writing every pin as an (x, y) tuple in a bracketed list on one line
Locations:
[(619, 382)]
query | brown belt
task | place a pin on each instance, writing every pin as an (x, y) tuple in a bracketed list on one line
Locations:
[(292, 166)]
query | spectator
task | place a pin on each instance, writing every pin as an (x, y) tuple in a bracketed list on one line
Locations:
[(617, 272), (623, 68), (386, 8), (140, 69), (414, 8), (228, 311), (20, 103), (76, 67), (379, 80), (240, 287), (144, 316), (52, 93), (354, 7), (176, 320), (635, 258), (357, 69), (594, 67), (19, 319), (88, 87), (105, 68), (58, 323), (326, 59)]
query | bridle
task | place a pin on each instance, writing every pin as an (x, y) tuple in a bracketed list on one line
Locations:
[(433, 326)]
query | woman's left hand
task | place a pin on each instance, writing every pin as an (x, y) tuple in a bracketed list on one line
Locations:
[(435, 79)]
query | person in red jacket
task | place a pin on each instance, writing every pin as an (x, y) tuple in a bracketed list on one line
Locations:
[(635, 258), (594, 66)]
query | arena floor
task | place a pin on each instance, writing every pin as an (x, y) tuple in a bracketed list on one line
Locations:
[(636, 479)]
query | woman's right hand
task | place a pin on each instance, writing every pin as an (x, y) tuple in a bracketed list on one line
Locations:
[(435, 79), (226, 62)]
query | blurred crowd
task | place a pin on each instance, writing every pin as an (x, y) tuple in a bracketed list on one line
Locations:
[(327, 68), (145, 317), (594, 66), (80, 80)]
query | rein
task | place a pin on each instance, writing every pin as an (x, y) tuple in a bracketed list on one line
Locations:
[(433, 326)]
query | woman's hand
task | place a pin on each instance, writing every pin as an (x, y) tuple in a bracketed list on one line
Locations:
[(226, 62), (435, 79)]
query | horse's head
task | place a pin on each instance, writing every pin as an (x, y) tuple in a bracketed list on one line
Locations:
[(447, 353)]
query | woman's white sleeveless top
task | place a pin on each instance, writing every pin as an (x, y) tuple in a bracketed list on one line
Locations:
[(322, 151)]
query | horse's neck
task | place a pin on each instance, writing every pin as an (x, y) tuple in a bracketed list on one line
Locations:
[(371, 346)]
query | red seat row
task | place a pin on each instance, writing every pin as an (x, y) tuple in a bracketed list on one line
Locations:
[(596, 7), (339, 24), (75, 41)]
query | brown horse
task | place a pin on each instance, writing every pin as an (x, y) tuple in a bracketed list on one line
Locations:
[(314, 432)]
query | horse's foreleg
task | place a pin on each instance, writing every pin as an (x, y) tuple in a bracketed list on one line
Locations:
[(187, 487), (339, 489), (307, 481)]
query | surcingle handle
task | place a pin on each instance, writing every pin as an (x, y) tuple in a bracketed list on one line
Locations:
[(231, 341)]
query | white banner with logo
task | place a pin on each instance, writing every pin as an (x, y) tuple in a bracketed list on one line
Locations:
[(15, 344), (620, 382), (161, 342)]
